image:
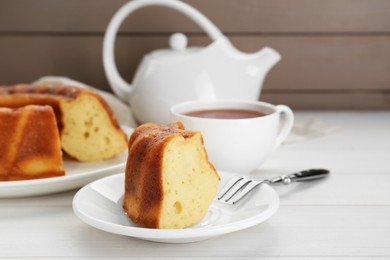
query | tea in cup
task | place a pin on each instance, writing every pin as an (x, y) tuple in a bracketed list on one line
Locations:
[(238, 134)]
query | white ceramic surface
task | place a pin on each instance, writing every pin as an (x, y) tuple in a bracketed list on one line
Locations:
[(237, 145), (99, 204), (169, 76), (77, 175)]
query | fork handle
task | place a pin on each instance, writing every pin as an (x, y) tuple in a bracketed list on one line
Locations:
[(306, 175)]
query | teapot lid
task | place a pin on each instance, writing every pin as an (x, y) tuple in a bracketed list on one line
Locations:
[(178, 43)]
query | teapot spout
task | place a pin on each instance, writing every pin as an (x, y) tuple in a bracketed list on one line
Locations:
[(266, 58)]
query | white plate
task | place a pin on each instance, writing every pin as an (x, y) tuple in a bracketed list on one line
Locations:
[(77, 175), (99, 204)]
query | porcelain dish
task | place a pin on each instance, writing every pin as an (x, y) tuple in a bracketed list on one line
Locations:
[(99, 204)]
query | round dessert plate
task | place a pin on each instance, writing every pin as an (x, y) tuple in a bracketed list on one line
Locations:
[(77, 175), (99, 204)]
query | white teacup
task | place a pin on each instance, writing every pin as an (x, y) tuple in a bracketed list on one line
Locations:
[(237, 144)]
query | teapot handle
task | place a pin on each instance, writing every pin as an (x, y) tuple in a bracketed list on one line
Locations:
[(120, 87)]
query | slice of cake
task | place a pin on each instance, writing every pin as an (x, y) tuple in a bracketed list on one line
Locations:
[(169, 182), (90, 131), (30, 145)]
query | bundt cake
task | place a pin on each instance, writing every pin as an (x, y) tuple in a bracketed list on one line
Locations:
[(30, 145), (169, 182), (88, 129)]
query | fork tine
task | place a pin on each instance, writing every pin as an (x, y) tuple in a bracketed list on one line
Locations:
[(238, 187), (235, 185), (246, 190), (228, 186)]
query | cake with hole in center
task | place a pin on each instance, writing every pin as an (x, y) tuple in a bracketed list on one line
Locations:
[(88, 129), (169, 182)]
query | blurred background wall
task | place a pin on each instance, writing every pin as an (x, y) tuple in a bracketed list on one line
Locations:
[(335, 53)]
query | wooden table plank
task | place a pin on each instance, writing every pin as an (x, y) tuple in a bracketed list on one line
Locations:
[(325, 64), (243, 16), (329, 73), (293, 231)]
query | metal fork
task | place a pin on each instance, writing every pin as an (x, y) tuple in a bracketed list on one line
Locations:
[(238, 187)]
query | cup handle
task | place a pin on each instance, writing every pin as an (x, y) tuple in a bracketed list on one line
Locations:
[(287, 124)]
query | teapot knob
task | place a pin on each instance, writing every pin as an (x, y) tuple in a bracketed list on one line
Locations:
[(178, 42)]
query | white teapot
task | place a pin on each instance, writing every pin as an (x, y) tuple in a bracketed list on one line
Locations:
[(169, 76)]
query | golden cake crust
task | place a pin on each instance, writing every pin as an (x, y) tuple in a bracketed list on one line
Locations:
[(29, 144), (47, 94)]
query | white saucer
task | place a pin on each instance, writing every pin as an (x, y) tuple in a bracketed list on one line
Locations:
[(77, 175), (99, 204)]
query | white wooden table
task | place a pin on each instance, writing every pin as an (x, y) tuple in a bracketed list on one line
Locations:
[(346, 216)]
